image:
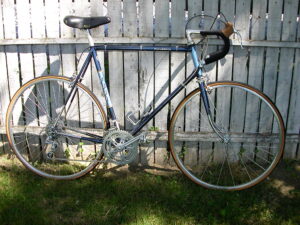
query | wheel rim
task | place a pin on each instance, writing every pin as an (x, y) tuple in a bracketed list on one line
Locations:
[(205, 159), (43, 147)]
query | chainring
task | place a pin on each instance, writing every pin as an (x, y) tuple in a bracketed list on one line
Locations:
[(116, 154)]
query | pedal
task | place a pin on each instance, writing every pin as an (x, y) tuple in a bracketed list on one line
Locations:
[(131, 114), (131, 120)]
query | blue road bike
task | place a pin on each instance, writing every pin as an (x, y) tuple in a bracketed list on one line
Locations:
[(223, 135)]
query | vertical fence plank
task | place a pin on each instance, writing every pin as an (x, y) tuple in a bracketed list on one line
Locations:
[(4, 93), (211, 9), (271, 71), (240, 70), (293, 124), (97, 10), (52, 31), (38, 19), (39, 51), (26, 60), (82, 8), (224, 72), (146, 75), (66, 8), (161, 84), (38, 31), (116, 61), (54, 63), (68, 52), (11, 50), (130, 65), (26, 66), (1, 22), (286, 66), (273, 33), (255, 77), (191, 119), (3, 72), (9, 20), (178, 64), (131, 82)]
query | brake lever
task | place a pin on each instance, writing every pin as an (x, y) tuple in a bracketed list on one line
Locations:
[(240, 37)]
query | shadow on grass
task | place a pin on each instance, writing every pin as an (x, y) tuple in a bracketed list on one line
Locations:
[(118, 197)]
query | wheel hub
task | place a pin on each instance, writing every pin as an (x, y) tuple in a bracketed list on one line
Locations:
[(53, 130)]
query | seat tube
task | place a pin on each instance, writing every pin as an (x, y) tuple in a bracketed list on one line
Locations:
[(104, 87), (201, 83)]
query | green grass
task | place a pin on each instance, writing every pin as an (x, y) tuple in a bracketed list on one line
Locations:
[(140, 197)]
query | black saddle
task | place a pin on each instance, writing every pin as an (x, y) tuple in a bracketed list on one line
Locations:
[(85, 22)]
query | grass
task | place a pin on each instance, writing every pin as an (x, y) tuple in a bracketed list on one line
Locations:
[(140, 197)]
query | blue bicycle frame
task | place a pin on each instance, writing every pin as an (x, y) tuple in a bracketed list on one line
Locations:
[(144, 120)]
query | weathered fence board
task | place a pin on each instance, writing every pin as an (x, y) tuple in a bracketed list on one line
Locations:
[(116, 61), (146, 75), (34, 41), (161, 82)]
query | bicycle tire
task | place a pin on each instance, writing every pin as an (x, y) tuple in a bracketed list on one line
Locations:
[(30, 116), (212, 162)]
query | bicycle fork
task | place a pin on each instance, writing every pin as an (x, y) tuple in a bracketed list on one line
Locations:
[(204, 97)]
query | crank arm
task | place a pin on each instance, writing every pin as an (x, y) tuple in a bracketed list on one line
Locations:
[(137, 138)]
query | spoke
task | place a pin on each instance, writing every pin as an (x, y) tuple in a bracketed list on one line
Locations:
[(24, 118), (229, 166), (30, 112), (55, 99), (245, 168), (44, 103), (46, 95), (88, 109), (256, 163), (24, 141), (221, 171), (257, 155), (69, 146), (207, 165), (262, 146), (39, 107), (75, 110)]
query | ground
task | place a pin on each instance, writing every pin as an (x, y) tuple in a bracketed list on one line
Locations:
[(144, 196)]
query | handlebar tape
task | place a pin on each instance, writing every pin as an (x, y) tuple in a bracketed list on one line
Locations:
[(214, 56)]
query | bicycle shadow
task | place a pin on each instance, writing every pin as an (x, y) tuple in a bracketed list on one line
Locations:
[(183, 67)]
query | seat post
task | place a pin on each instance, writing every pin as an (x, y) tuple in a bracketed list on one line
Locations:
[(91, 40)]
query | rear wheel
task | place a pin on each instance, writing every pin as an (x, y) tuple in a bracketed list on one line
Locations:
[(43, 129), (243, 148)]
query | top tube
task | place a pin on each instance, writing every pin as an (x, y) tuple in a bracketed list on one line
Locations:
[(143, 48)]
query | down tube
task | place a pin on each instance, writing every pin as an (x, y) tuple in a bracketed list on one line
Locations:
[(146, 119)]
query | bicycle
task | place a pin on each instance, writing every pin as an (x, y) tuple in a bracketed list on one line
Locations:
[(209, 146)]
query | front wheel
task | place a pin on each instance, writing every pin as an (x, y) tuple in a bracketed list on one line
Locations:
[(237, 147), (43, 128)]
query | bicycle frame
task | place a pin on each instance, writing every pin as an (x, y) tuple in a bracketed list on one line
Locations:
[(93, 54)]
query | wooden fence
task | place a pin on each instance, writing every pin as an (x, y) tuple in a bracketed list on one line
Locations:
[(34, 41)]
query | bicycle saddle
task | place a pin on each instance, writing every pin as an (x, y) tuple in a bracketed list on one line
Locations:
[(85, 22)]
